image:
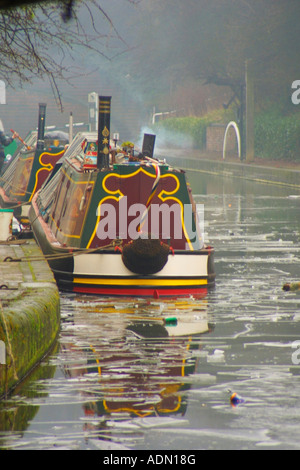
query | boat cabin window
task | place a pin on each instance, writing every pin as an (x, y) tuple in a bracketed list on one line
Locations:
[(72, 199), (22, 172), (72, 220)]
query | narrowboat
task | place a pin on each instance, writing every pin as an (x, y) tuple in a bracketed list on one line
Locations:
[(30, 165), (120, 223)]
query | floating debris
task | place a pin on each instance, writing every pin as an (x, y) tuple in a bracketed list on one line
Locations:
[(235, 399), (293, 286), (170, 321), (217, 356)]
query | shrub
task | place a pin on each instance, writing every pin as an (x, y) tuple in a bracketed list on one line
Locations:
[(190, 130), (277, 136)]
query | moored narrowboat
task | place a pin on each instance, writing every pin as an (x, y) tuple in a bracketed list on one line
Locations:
[(120, 224), (31, 164)]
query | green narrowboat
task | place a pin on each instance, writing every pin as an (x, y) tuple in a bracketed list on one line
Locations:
[(29, 167), (120, 224)]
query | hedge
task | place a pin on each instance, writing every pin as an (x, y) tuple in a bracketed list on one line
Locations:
[(191, 128), (277, 137)]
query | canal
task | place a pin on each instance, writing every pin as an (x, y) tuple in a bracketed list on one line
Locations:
[(158, 375)]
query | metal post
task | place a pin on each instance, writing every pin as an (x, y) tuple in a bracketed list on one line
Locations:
[(93, 108), (70, 127), (249, 111), (241, 123), (2, 92)]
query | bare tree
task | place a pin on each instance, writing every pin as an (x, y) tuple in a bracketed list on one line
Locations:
[(42, 39)]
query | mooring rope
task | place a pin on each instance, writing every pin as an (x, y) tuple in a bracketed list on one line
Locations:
[(19, 204), (70, 254), (13, 186)]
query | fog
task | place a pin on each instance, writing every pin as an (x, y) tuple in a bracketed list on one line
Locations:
[(134, 67), (92, 73), (169, 56)]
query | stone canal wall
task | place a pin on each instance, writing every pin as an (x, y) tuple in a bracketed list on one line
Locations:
[(29, 311)]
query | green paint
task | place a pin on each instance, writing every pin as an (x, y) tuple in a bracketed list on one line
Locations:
[(170, 321), (11, 148)]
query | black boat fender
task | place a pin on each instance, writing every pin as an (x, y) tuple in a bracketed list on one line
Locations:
[(145, 255)]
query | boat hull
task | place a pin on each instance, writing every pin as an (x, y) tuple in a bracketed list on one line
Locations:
[(105, 274), (102, 272)]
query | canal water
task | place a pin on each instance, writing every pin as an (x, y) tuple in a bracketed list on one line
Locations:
[(158, 375)]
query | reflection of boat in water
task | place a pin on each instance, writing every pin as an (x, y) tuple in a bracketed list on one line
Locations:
[(137, 366), (30, 165), (85, 221)]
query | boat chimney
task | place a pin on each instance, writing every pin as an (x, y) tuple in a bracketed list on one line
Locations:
[(41, 126), (148, 145), (103, 132)]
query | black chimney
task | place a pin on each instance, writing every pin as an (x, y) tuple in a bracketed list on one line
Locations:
[(148, 145), (41, 126), (103, 132)]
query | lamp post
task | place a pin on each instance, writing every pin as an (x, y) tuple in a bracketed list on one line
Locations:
[(249, 111)]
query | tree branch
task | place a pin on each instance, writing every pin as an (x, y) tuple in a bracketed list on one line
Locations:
[(40, 40)]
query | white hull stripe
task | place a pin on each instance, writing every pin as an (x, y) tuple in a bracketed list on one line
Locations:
[(178, 266)]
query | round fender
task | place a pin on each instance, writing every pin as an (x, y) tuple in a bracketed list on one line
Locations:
[(145, 255)]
